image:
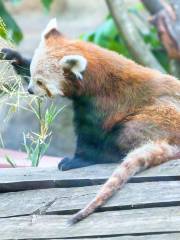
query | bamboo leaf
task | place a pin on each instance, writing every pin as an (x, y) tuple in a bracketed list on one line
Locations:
[(13, 31)]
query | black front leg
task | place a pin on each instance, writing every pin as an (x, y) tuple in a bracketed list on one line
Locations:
[(71, 163), (20, 64), (83, 156)]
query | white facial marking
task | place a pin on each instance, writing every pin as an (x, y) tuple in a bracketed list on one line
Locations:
[(45, 71), (37, 55), (75, 63), (54, 88), (51, 25)]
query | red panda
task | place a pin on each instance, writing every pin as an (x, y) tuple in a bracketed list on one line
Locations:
[(124, 112)]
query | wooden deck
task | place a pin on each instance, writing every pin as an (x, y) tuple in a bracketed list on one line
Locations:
[(36, 204)]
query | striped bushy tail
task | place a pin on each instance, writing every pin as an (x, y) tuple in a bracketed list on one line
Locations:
[(146, 156)]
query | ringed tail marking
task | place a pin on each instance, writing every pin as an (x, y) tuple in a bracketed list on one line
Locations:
[(148, 155)]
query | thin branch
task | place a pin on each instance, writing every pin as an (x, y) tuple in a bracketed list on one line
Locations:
[(136, 46)]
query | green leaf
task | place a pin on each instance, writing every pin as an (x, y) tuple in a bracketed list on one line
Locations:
[(45, 147), (162, 57), (51, 113), (47, 4), (3, 31), (13, 32), (139, 6), (109, 28), (107, 36), (10, 161), (106, 32), (151, 37), (88, 37), (35, 155)]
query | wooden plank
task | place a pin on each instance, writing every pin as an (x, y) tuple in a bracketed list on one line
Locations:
[(113, 223), (171, 236), (66, 201), (34, 178)]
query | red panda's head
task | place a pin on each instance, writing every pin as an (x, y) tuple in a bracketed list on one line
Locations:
[(57, 66), (75, 68)]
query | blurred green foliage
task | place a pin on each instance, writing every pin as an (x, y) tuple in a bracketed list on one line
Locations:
[(13, 31), (107, 36), (8, 27), (152, 40), (47, 4)]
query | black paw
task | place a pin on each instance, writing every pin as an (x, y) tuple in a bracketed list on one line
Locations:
[(65, 164), (21, 65), (70, 163), (10, 54)]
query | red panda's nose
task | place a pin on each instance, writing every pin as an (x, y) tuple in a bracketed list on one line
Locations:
[(30, 91)]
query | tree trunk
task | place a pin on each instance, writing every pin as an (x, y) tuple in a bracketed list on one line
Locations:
[(136, 46)]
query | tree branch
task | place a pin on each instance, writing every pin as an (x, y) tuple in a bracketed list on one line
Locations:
[(153, 6), (133, 40), (167, 21)]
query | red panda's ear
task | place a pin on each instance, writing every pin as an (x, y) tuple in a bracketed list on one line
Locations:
[(75, 64), (51, 29)]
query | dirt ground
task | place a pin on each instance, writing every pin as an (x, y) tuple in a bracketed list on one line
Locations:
[(74, 18)]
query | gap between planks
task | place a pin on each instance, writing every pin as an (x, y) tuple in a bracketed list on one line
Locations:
[(162, 236), (36, 178), (115, 223), (64, 201), (170, 236)]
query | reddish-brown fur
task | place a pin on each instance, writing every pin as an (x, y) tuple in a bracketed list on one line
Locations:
[(145, 100)]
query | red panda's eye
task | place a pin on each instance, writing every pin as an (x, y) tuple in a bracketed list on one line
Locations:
[(39, 82)]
